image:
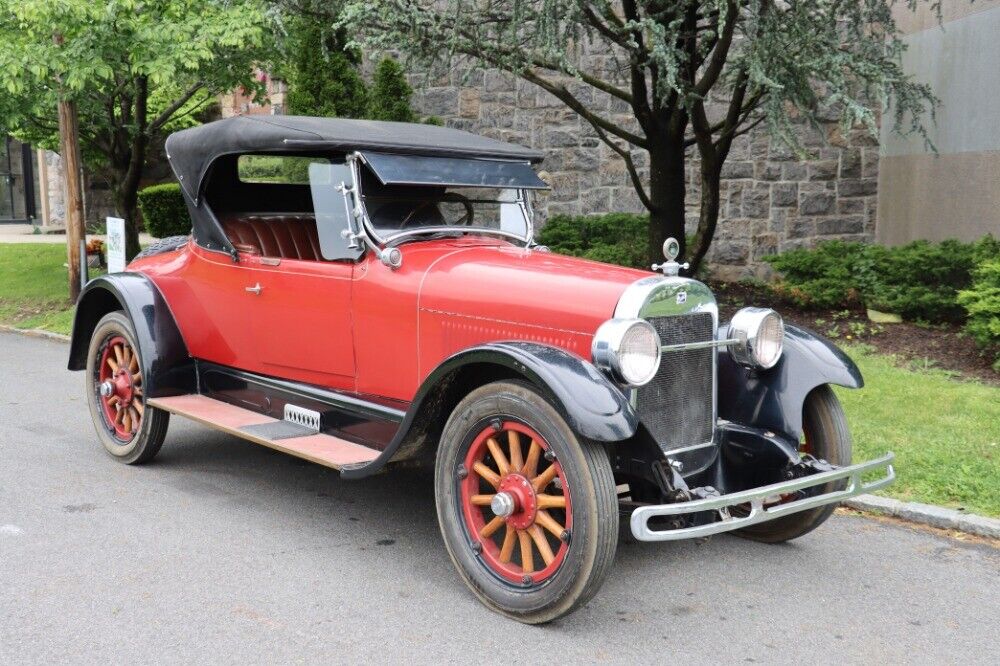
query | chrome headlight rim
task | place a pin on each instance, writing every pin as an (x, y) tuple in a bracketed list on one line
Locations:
[(607, 347), (748, 326)]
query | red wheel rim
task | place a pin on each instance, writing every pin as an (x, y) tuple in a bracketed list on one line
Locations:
[(512, 459), (119, 388)]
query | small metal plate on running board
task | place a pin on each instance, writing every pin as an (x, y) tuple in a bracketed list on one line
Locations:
[(278, 430)]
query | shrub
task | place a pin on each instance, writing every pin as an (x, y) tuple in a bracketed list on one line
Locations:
[(921, 280), (615, 238), (390, 94), (164, 211), (823, 277), (982, 304)]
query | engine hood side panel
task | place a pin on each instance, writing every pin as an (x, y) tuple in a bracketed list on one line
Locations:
[(506, 293)]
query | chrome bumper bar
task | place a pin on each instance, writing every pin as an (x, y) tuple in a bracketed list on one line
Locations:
[(756, 497)]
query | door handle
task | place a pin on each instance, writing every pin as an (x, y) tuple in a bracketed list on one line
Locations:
[(256, 289)]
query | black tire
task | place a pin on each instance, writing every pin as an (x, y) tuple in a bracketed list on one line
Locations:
[(148, 437), (826, 431), (168, 244), (589, 548)]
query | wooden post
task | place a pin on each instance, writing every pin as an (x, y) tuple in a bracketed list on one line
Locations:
[(69, 148)]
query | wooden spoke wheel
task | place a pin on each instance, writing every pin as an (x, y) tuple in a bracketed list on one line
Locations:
[(129, 430), (528, 510), (120, 388), (516, 503)]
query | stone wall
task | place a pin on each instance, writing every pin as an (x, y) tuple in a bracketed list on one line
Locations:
[(772, 200)]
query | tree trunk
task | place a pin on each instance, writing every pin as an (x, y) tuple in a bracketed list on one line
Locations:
[(666, 194), (708, 218), (125, 199), (69, 147)]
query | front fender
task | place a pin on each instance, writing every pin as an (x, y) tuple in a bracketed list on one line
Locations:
[(591, 404), (774, 398), (169, 369)]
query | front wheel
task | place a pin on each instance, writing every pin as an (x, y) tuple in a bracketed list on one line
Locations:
[(826, 437), (130, 430), (528, 511)]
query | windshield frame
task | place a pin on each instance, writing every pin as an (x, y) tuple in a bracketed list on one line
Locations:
[(360, 210)]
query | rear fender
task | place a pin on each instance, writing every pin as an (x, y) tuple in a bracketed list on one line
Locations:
[(773, 399), (169, 369)]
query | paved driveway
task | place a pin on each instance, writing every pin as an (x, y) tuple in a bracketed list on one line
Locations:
[(224, 552)]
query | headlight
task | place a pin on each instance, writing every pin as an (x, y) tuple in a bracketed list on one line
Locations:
[(761, 335), (628, 349)]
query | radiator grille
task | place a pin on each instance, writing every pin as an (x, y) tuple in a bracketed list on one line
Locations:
[(677, 406)]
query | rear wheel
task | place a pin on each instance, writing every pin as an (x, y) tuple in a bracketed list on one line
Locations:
[(130, 431), (527, 510), (825, 437)]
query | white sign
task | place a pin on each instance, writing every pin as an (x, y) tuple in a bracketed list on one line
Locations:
[(116, 244)]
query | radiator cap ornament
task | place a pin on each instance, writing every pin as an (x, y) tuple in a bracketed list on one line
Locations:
[(671, 250)]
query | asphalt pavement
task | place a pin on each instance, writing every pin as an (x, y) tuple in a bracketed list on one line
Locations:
[(223, 552)]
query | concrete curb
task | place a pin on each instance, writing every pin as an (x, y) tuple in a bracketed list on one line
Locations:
[(927, 514), (35, 333), (914, 512)]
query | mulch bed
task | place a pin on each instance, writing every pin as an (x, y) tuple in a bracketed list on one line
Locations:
[(942, 347)]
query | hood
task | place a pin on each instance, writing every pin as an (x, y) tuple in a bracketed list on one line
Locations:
[(525, 290)]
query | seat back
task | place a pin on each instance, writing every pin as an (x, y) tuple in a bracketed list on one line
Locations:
[(284, 235)]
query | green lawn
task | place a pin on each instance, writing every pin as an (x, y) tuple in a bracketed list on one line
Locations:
[(945, 433), (34, 287)]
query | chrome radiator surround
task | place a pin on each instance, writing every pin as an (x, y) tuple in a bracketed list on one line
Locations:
[(658, 297)]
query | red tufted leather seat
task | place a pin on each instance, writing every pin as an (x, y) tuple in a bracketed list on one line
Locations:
[(285, 235)]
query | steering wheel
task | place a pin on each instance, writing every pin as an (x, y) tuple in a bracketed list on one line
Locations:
[(466, 219)]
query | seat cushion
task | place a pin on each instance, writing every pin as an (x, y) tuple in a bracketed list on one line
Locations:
[(284, 235)]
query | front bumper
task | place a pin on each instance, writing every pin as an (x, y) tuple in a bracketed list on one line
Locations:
[(755, 498)]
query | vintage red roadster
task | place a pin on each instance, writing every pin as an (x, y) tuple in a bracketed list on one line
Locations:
[(362, 294)]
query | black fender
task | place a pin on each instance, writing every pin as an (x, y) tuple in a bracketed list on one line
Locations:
[(169, 369), (773, 399), (592, 405)]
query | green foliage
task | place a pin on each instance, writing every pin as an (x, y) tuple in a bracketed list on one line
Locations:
[(982, 303), (824, 277), (919, 281), (616, 238), (164, 211), (390, 96), (323, 78), (136, 70)]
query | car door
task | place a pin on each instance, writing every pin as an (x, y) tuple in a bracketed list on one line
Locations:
[(302, 320)]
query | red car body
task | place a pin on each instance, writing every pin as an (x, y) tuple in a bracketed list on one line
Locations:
[(365, 328)]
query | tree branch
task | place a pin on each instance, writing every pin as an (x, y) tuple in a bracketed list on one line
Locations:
[(159, 121), (566, 97)]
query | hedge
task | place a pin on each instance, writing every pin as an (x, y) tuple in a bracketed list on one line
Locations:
[(615, 238), (919, 281), (982, 303), (164, 211)]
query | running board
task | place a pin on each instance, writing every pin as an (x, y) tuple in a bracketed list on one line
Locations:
[(317, 447)]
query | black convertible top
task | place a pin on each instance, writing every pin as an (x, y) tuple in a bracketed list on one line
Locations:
[(193, 151)]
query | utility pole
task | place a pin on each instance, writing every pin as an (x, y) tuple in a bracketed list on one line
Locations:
[(69, 149)]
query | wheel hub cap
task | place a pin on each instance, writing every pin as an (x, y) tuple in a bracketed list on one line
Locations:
[(503, 504)]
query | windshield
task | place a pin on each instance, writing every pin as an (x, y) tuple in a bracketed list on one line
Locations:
[(411, 210)]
